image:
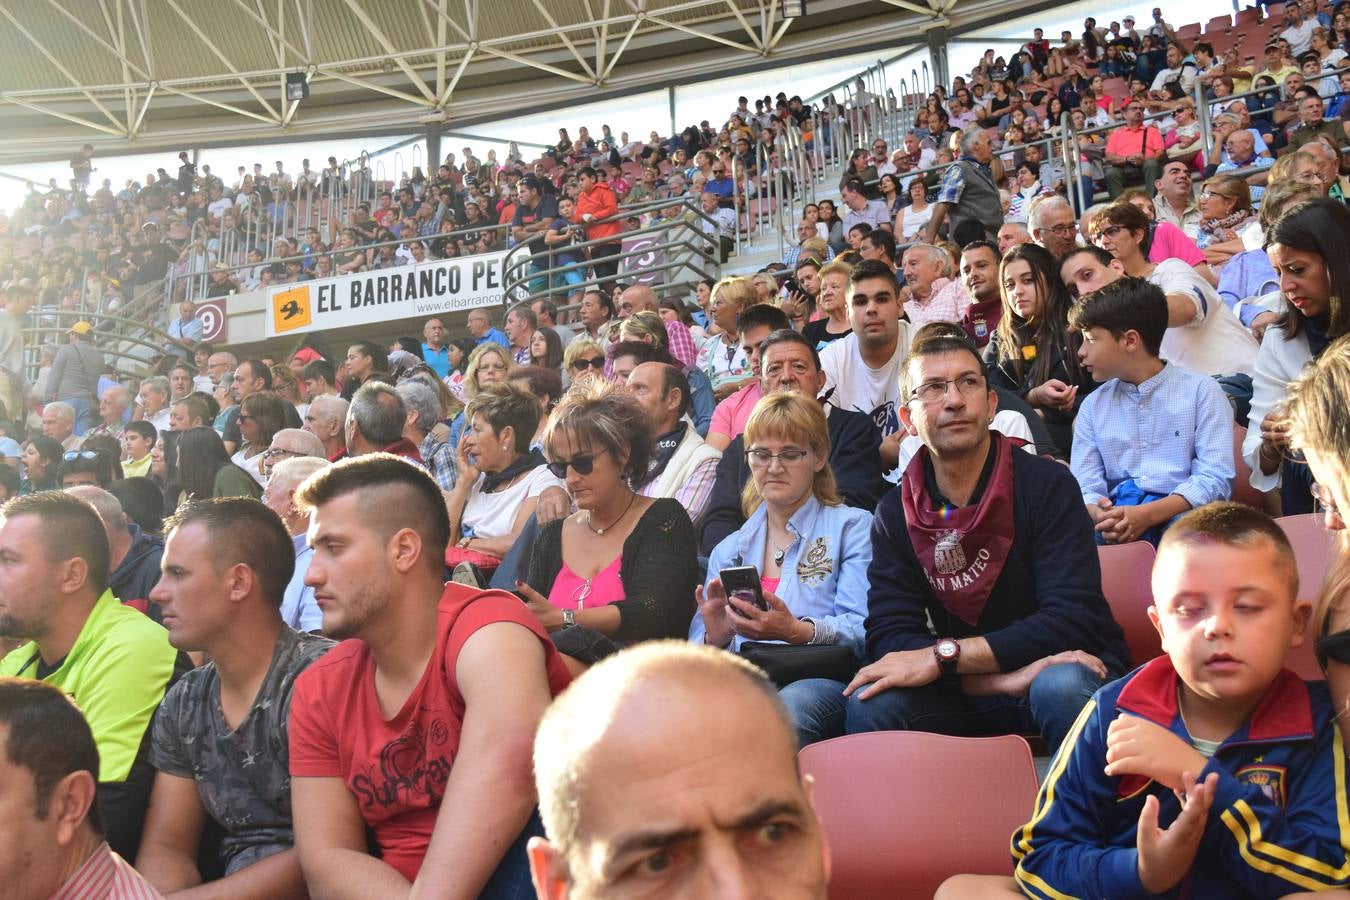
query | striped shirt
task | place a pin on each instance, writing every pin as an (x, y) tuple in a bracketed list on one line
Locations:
[(106, 876)]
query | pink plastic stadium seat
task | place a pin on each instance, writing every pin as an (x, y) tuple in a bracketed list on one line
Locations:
[(1314, 548), (905, 810), (1126, 572)]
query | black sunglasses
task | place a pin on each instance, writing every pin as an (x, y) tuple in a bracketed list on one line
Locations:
[(582, 464), (597, 363), (1333, 646)]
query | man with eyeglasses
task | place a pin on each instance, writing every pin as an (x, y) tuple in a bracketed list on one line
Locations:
[(995, 548), (298, 609), (881, 158), (1053, 225)]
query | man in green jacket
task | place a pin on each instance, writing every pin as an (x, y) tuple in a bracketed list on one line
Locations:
[(111, 659)]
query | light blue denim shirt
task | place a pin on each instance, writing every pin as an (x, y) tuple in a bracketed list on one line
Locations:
[(298, 608), (824, 570)]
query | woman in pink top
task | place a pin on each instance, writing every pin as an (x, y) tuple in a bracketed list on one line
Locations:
[(623, 567)]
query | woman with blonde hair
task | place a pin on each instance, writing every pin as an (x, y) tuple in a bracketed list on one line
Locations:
[(622, 568), (1318, 419), (488, 364), (721, 357), (583, 359), (810, 553)]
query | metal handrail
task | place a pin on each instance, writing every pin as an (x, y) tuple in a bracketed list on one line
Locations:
[(118, 341), (516, 274)]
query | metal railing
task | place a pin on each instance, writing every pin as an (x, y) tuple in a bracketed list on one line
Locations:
[(126, 342), (193, 284), (678, 249)]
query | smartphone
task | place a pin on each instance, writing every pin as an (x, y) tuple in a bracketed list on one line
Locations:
[(743, 581), (792, 286)]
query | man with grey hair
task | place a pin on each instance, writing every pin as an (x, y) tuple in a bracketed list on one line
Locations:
[(424, 411), (58, 423), (968, 197), (375, 423), (153, 402), (290, 443), (326, 419), (220, 364), (1012, 234), (133, 561), (112, 411), (1053, 225), (519, 326), (622, 785), (1328, 164), (1241, 149), (298, 609), (932, 296)]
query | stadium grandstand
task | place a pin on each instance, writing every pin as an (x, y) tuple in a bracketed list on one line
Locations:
[(973, 368)]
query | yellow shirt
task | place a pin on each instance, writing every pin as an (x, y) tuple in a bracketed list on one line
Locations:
[(138, 468)]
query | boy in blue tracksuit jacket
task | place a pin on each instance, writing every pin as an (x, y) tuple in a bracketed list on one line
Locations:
[(1254, 751)]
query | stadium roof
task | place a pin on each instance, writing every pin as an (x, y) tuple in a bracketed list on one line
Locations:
[(142, 75)]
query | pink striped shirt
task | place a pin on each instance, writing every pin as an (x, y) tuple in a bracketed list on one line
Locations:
[(106, 876)]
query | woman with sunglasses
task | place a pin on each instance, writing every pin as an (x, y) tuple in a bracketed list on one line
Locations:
[(1309, 248), (500, 477), (41, 461), (811, 553), (622, 568), (261, 415), (1316, 414), (583, 359)]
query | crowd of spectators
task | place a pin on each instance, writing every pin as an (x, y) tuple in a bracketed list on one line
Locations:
[(279, 589)]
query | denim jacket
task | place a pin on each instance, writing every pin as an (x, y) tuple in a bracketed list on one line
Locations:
[(824, 569)]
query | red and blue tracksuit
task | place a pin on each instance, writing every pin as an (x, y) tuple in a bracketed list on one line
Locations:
[(1279, 823)]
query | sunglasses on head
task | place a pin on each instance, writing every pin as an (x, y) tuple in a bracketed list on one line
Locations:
[(582, 464), (1334, 646), (72, 455), (597, 363)]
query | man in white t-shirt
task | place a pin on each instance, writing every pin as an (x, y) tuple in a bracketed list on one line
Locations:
[(1298, 29), (862, 371), (1203, 335)]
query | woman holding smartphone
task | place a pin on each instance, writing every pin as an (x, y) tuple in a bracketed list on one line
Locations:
[(811, 553)]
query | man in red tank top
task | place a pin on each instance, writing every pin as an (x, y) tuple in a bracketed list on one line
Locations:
[(419, 724)]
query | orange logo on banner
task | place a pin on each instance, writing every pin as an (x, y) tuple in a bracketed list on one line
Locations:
[(290, 309)]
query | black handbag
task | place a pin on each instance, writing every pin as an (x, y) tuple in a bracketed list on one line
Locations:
[(584, 644), (786, 663)]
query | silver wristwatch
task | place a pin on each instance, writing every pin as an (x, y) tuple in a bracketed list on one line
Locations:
[(569, 618)]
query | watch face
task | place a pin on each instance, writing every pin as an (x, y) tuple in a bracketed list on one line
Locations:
[(946, 648)]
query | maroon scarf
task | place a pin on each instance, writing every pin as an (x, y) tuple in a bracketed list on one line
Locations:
[(962, 550)]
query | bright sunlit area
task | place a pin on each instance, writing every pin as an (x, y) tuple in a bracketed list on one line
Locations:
[(639, 114)]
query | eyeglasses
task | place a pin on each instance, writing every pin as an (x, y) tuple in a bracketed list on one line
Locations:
[(1324, 503), (72, 455), (582, 464), (1210, 195), (271, 452), (597, 363), (936, 391), (1110, 231), (1063, 230), (759, 458)]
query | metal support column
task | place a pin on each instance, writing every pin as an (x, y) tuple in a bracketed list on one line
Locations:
[(433, 147), (937, 55)]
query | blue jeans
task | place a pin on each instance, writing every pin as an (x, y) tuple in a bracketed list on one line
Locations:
[(84, 413), (817, 708), (1055, 699)]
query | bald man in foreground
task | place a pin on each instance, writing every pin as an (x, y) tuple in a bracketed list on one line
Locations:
[(670, 770)]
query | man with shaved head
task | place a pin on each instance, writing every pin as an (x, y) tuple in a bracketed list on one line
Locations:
[(412, 730), (706, 803)]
